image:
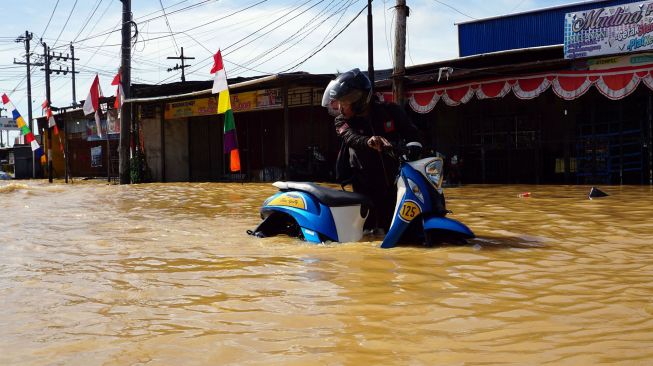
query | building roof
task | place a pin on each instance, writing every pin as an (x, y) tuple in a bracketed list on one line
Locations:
[(529, 12)]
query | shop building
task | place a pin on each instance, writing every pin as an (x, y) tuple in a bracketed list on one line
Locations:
[(282, 131), (557, 95)]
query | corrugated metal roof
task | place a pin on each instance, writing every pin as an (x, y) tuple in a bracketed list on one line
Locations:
[(529, 12)]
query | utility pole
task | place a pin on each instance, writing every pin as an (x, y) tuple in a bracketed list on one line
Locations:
[(125, 79), (183, 66), (399, 69), (72, 57), (48, 71), (370, 47), (46, 61), (26, 39)]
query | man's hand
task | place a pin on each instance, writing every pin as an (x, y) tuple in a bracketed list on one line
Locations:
[(378, 143)]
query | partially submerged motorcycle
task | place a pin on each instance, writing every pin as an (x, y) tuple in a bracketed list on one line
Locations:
[(318, 214)]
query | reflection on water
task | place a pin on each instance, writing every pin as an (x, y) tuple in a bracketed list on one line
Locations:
[(163, 274)]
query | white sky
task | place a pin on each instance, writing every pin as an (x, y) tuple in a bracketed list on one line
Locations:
[(252, 38)]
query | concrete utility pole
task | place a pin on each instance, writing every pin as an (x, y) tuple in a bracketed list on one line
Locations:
[(399, 70), (183, 66), (370, 46), (125, 79), (27, 38)]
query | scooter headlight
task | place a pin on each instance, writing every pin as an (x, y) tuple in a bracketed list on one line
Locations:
[(433, 171), (415, 189)]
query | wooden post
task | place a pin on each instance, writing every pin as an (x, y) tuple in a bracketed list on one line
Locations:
[(399, 70)]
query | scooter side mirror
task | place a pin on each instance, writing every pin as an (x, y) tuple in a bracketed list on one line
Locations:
[(413, 151)]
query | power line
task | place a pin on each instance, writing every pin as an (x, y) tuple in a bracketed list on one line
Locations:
[(300, 34), (49, 20), (169, 28), (454, 9), (332, 39), (66, 23), (88, 19)]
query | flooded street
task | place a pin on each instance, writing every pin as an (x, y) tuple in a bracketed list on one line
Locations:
[(164, 274)]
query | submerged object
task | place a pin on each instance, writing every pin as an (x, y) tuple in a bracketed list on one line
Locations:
[(319, 214), (595, 192)]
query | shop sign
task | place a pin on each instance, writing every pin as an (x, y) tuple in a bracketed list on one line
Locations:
[(610, 30), (620, 61), (257, 100), (191, 108), (8, 124), (240, 102)]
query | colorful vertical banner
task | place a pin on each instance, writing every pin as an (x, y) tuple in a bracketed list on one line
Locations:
[(24, 128), (224, 106)]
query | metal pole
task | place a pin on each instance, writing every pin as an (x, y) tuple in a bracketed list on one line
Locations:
[(65, 146), (46, 61), (400, 53), (72, 56), (183, 73), (28, 38), (650, 139), (370, 46), (286, 129), (125, 111)]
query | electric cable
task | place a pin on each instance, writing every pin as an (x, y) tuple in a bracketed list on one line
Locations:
[(454, 9), (65, 24), (332, 39)]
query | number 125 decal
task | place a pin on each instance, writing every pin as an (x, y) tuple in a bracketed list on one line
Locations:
[(409, 211)]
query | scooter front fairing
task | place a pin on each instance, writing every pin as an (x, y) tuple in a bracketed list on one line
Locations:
[(417, 199)]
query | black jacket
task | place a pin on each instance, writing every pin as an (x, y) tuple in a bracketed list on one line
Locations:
[(356, 157)]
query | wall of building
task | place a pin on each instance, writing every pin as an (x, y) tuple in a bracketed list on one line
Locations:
[(176, 150), (151, 128)]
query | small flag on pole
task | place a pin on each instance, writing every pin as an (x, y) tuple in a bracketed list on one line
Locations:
[(48, 113), (120, 94), (92, 103), (24, 128), (224, 106)]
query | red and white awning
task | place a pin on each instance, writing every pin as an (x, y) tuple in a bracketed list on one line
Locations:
[(615, 84)]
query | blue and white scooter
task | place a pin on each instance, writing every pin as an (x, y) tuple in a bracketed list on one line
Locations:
[(313, 213), (318, 214)]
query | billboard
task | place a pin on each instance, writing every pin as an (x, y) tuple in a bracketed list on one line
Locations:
[(609, 30), (8, 124)]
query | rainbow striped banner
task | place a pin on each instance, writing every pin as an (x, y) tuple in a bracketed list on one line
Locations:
[(20, 122)]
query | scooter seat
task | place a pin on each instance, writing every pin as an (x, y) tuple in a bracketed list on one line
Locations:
[(329, 196)]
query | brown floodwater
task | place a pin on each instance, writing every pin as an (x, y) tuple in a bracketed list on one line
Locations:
[(164, 274)]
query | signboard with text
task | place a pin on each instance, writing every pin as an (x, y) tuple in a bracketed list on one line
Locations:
[(8, 124), (610, 30), (240, 102)]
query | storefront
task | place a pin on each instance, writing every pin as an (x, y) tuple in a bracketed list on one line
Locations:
[(578, 113), (282, 131)]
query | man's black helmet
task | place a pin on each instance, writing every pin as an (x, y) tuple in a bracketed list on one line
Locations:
[(350, 87)]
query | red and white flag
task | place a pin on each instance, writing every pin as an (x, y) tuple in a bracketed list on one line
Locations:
[(220, 81), (120, 94), (92, 103), (48, 114)]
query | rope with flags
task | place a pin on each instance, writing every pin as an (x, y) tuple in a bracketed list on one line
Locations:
[(224, 107), (24, 128)]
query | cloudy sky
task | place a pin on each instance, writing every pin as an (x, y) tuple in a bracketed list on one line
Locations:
[(257, 37)]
